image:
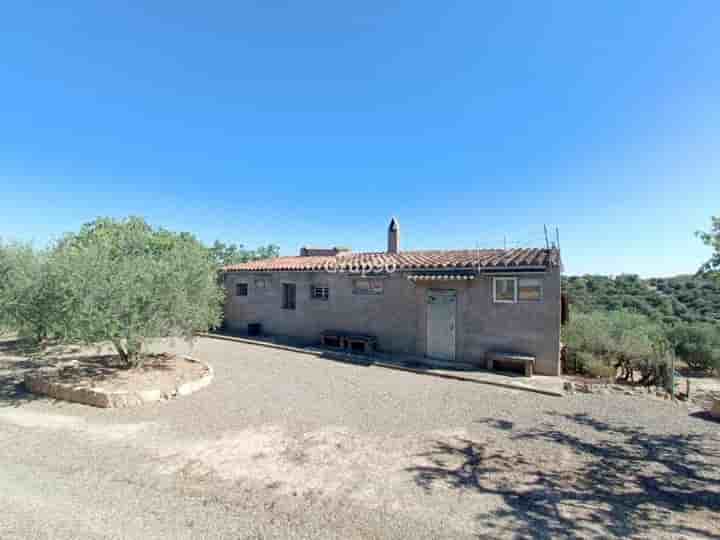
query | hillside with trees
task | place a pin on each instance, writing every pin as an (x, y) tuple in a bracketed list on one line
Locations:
[(668, 300), (624, 324)]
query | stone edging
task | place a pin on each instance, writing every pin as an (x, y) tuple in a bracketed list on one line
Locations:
[(40, 382)]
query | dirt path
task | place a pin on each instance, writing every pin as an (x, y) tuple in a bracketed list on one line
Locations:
[(290, 446)]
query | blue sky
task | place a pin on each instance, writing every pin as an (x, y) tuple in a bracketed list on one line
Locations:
[(313, 122)]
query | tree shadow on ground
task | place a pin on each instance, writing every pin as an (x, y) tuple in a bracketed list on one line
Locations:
[(15, 359), (12, 390), (619, 481), (18, 357)]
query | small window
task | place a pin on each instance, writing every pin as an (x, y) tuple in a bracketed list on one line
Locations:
[(319, 293), (368, 286), (530, 290), (241, 289), (260, 283), (505, 290), (288, 296)]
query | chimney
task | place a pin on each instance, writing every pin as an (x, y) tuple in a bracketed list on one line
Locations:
[(393, 236)]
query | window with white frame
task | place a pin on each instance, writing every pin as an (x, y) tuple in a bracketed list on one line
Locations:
[(505, 290), (510, 290), (530, 290), (320, 292)]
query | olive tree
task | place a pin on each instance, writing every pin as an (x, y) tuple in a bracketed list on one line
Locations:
[(124, 282), (26, 294)]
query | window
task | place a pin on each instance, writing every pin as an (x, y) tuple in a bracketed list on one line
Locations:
[(512, 290), (319, 293), (288, 296), (241, 289), (368, 286), (505, 290), (260, 283), (530, 290)]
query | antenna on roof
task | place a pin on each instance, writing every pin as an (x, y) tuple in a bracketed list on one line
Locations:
[(547, 242), (557, 236), (504, 241)]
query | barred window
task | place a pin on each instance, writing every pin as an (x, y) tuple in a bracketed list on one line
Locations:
[(319, 292)]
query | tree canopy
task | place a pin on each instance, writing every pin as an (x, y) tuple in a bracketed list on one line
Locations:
[(712, 238), (226, 254), (124, 281), (670, 300)]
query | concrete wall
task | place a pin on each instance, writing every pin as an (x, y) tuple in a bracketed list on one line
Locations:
[(398, 317)]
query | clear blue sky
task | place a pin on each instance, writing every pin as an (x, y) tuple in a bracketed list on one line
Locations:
[(314, 122)]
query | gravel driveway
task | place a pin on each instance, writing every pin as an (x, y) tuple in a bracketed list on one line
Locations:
[(286, 445)]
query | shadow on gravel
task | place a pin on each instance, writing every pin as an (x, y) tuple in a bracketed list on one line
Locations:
[(12, 369), (12, 389), (620, 481)]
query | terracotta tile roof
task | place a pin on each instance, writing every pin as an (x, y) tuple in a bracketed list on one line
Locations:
[(409, 260)]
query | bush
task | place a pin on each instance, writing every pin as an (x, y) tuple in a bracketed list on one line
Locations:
[(602, 342), (698, 345), (597, 367)]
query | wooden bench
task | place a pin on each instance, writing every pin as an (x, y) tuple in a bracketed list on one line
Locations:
[(525, 360), (349, 341)]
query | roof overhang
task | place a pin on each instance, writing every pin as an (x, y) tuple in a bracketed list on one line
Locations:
[(442, 275)]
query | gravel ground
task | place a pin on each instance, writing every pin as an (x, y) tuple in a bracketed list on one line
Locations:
[(286, 445)]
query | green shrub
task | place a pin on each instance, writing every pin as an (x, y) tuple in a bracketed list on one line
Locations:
[(601, 342), (597, 367), (697, 344)]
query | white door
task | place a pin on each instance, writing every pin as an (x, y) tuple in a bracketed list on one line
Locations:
[(441, 324)]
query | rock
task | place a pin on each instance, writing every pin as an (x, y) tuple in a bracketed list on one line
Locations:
[(715, 411)]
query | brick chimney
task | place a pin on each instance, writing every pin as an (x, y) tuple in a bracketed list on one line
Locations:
[(393, 245)]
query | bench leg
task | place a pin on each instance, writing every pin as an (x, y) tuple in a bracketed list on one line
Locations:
[(490, 364), (528, 369)]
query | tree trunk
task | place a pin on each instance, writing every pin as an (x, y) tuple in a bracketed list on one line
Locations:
[(122, 353), (130, 352)]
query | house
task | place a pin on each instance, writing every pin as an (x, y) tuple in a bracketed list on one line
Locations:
[(464, 306)]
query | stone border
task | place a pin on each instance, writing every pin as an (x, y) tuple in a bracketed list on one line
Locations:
[(40, 382)]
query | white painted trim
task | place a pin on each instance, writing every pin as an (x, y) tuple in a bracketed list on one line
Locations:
[(494, 290)]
